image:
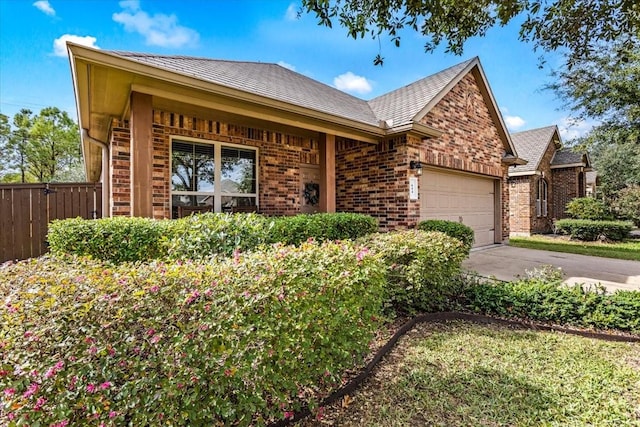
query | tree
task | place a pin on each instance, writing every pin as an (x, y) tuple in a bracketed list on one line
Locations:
[(5, 133), (604, 87), (40, 148), (573, 26)]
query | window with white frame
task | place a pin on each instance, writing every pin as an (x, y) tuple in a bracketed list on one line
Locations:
[(216, 176), (541, 199)]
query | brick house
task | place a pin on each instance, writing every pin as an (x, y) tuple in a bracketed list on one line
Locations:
[(540, 190), (169, 134)]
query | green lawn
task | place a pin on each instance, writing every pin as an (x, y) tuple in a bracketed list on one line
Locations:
[(629, 249), (463, 374)]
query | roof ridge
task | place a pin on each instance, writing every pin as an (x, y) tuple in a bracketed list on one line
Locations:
[(201, 58), (534, 129)]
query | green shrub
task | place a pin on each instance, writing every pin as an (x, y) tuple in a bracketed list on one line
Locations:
[(551, 301), (293, 230), (584, 229), (421, 266), (117, 239), (238, 342), (450, 228), (627, 204), (205, 235), (587, 208)]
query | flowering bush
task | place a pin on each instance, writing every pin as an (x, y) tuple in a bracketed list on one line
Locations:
[(421, 267), (242, 341)]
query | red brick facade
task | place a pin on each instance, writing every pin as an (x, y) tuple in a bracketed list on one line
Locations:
[(370, 178), (569, 183), (523, 217), (279, 158)]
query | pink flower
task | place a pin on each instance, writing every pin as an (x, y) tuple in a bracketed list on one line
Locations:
[(31, 390), (11, 416), (91, 388), (151, 331), (63, 423), (105, 385), (93, 350), (155, 339), (320, 413), (113, 414), (288, 414), (9, 391), (40, 403), (59, 365), (361, 254), (154, 288), (28, 334), (50, 372)]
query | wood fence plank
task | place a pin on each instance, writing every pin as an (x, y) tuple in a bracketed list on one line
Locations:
[(7, 237)]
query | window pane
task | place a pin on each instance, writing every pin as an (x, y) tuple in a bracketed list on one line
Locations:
[(189, 200), (192, 167), (231, 204), (182, 167), (238, 170)]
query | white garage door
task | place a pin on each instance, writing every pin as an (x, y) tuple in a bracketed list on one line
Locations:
[(462, 198)]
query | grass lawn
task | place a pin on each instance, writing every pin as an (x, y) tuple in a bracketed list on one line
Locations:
[(463, 374), (629, 249)]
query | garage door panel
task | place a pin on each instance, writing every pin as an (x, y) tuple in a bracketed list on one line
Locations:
[(460, 198)]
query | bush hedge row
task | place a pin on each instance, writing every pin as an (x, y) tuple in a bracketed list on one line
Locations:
[(243, 341), (421, 267), (458, 230), (584, 229), (201, 236), (551, 301)]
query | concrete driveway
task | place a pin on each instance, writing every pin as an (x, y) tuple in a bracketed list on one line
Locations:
[(507, 263)]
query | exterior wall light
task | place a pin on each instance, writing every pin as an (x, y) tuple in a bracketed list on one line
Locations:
[(417, 166)]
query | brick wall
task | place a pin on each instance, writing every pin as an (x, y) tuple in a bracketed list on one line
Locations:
[(521, 189), (373, 179), (279, 157), (565, 184), (471, 141)]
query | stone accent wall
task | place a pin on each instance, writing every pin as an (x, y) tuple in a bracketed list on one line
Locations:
[(373, 179), (279, 158), (471, 141)]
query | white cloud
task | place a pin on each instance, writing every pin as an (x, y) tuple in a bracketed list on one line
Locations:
[(286, 65), (571, 128), (158, 30), (45, 7), (292, 12), (349, 82), (514, 122), (60, 44)]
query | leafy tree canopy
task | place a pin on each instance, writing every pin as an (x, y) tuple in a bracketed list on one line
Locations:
[(44, 147), (577, 26)]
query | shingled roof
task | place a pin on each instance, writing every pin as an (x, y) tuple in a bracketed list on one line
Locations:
[(566, 157), (264, 79), (401, 106), (531, 145)]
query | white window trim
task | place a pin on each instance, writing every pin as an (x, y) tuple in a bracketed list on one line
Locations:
[(542, 197), (217, 193)]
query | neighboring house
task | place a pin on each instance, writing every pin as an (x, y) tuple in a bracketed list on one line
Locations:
[(161, 131), (592, 183), (540, 190)]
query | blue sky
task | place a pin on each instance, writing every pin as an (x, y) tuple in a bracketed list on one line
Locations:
[(35, 72)]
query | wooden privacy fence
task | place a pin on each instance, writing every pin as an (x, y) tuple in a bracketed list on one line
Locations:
[(27, 209)]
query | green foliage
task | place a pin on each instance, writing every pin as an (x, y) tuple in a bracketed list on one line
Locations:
[(116, 239), (210, 234), (587, 208), (41, 148), (573, 26), (627, 204), (242, 341), (585, 229), (322, 226), (450, 228), (421, 266), (547, 300)]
